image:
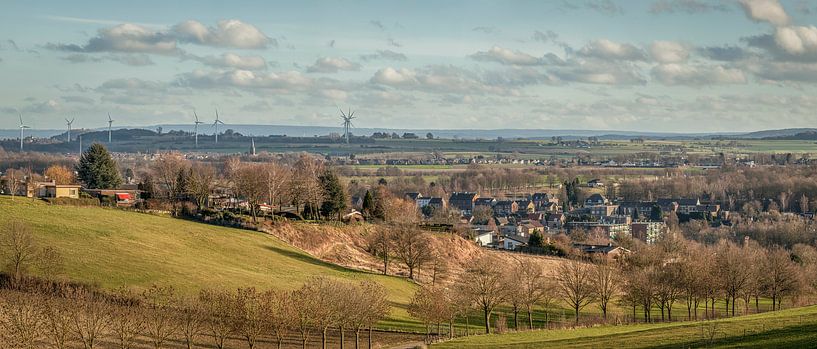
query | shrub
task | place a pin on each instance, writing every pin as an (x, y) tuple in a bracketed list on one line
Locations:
[(86, 201)]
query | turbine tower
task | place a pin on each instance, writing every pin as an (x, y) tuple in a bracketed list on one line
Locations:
[(22, 128), (110, 122), (196, 127), (347, 122), (216, 124), (69, 122)]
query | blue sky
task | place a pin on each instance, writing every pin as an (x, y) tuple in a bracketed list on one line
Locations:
[(650, 65)]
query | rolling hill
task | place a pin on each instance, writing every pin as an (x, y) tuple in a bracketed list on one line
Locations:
[(113, 248)]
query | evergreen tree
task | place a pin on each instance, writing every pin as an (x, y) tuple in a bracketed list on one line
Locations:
[(182, 184), (335, 197), (536, 240), (97, 169), (368, 204), (635, 214), (147, 187), (656, 213)]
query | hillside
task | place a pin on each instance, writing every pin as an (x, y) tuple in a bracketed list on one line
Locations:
[(114, 248), (792, 328)]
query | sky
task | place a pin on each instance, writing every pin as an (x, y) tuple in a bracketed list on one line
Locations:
[(647, 65)]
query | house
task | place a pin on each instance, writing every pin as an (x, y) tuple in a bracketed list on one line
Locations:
[(610, 230), (505, 207), (556, 221), (595, 183), (543, 201), (463, 201), (413, 196), (436, 202), (681, 205), (602, 211), (595, 200), (484, 237), (53, 190), (641, 209), (526, 206), (484, 202), (512, 242), (710, 209), (352, 217), (607, 251)]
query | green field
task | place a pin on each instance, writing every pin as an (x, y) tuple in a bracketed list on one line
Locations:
[(113, 248), (793, 328)]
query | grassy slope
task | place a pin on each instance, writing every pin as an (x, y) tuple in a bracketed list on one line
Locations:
[(113, 248), (794, 328)]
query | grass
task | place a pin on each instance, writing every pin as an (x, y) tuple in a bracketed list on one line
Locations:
[(793, 328), (113, 248)]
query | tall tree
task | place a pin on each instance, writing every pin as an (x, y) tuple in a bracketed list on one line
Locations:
[(484, 283), (60, 174), (411, 247), (334, 196), (574, 282), (97, 169)]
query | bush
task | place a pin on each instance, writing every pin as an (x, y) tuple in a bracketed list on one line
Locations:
[(73, 202)]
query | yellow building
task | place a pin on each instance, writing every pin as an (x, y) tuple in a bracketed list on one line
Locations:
[(61, 191)]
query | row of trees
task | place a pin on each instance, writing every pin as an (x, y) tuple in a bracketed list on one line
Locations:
[(64, 315), (655, 278)]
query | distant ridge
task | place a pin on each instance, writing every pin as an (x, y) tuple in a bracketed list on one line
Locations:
[(310, 131)]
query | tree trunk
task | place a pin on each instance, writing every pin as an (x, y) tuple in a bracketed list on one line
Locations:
[(342, 337), (467, 325), (323, 338), (487, 317), (515, 319), (370, 337), (576, 308), (530, 319), (357, 338)]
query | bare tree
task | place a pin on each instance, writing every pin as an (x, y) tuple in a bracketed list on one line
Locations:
[(278, 179), (166, 169), (13, 181), (201, 179), (371, 306), (191, 321), (17, 247), (483, 282), (574, 285), (306, 306), (281, 313), (160, 322), (91, 317), (779, 276), (252, 310), (22, 323), (127, 319), (380, 244), (219, 309), (605, 285), (411, 247), (249, 181), (57, 313)]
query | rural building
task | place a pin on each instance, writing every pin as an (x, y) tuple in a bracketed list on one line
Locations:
[(595, 200), (513, 242), (648, 232), (505, 207), (607, 251), (463, 201)]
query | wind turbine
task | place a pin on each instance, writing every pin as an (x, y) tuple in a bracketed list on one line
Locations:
[(22, 128), (216, 124), (110, 122), (196, 127), (67, 122), (347, 122)]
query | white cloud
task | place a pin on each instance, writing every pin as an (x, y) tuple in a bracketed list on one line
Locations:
[(289, 80), (395, 77), (232, 60), (125, 38), (606, 49), (332, 65), (226, 33), (506, 56), (668, 52), (796, 40), (681, 74), (770, 11)]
